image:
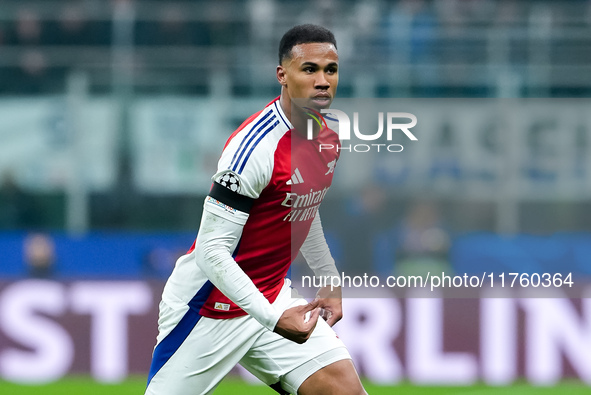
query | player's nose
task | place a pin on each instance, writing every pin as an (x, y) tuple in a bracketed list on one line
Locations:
[(321, 81)]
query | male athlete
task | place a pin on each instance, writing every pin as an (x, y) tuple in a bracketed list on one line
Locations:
[(228, 301)]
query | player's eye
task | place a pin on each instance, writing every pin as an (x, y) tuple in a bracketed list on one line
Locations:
[(309, 69)]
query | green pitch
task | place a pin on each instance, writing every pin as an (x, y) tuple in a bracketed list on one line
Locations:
[(135, 386)]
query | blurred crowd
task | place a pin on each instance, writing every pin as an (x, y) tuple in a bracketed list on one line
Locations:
[(40, 41), (25, 41)]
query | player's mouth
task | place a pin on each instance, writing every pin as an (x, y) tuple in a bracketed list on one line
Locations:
[(322, 99)]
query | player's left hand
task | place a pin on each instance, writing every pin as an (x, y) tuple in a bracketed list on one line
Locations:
[(330, 300)]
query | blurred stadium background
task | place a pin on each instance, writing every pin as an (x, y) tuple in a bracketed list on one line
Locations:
[(113, 114)]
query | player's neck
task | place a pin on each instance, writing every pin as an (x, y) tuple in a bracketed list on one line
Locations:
[(298, 119)]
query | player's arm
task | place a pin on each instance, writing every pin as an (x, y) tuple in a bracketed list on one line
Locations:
[(317, 254), (224, 216)]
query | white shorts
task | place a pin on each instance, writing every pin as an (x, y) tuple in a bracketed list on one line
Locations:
[(214, 346)]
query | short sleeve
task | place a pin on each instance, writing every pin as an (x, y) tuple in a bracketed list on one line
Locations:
[(246, 164)]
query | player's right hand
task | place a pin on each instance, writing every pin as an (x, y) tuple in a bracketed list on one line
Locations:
[(295, 326)]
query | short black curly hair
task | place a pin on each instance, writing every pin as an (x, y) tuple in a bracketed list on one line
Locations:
[(303, 34)]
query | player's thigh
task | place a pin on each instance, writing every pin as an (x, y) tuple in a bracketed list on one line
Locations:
[(274, 359), (338, 378), (195, 363)]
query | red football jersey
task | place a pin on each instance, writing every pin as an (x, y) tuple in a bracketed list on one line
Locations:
[(288, 176)]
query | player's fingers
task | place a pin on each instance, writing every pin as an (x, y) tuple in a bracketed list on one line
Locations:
[(310, 306), (311, 323)]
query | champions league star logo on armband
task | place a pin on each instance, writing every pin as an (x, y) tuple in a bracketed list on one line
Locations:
[(230, 181)]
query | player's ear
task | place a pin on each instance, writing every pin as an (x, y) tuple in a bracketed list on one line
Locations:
[(281, 75)]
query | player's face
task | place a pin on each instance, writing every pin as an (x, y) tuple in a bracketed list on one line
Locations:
[(312, 74)]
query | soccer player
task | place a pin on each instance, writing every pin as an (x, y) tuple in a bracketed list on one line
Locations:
[(227, 300)]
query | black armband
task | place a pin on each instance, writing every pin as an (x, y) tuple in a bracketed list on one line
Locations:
[(231, 198)]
